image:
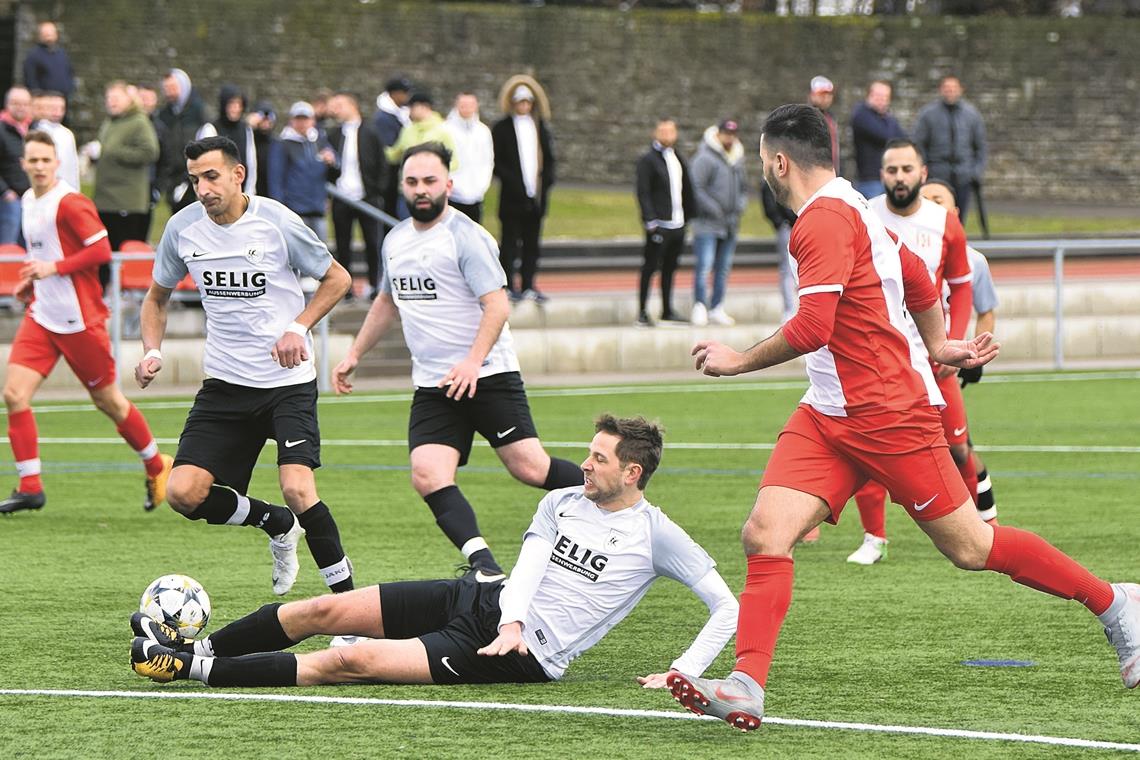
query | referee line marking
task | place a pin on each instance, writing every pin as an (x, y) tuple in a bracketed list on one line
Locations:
[(624, 390), (611, 712), (688, 446)]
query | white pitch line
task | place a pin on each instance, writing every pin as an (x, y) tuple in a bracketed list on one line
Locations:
[(609, 712), (685, 446)]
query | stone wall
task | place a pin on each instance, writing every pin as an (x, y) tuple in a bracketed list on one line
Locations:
[(1059, 95)]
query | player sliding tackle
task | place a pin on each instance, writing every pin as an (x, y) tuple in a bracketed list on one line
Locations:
[(590, 554), (871, 411)]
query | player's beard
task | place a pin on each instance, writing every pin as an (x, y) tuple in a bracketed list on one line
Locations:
[(906, 200), (432, 212), (781, 192)]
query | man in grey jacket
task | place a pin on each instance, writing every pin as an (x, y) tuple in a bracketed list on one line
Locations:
[(721, 192), (952, 137)]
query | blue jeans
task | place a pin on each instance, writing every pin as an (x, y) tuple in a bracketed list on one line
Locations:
[(870, 188), (10, 222), (713, 253)]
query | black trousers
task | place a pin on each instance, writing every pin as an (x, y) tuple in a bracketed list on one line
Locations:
[(121, 226), (343, 217), (662, 252), (473, 210), (521, 231)]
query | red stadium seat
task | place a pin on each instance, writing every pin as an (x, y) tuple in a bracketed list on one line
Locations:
[(135, 275), (10, 269)]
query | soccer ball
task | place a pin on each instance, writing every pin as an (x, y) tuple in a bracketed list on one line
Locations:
[(179, 601)]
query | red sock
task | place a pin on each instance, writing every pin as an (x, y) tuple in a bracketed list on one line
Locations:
[(25, 441), (970, 475), (872, 502), (137, 433), (1032, 561), (763, 606)]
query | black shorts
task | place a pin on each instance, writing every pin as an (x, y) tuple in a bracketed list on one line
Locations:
[(228, 425), (454, 618), (499, 412)]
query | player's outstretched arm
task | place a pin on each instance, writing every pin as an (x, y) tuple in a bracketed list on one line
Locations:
[(967, 354), (152, 325), (376, 323), (720, 627), (718, 360), (464, 376)]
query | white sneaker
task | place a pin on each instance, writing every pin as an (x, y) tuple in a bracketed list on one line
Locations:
[(1124, 634), (699, 317), (718, 317), (871, 551), (728, 699), (284, 551)]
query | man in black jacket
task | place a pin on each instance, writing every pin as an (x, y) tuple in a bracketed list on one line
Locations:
[(231, 123), (181, 117), (363, 177), (524, 164), (666, 201)]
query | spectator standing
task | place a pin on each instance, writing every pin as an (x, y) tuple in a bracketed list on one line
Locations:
[(721, 192), (391, 116), (322, 110), (231, 123), (263, 121), (525, 166), (14, 122), (127, 149), (302, 162), (363, 177), (426, 126), (872, 126), (48, 111), (181, 117), (665, 197), (781, 218), (952, 137), (47, 65), (148, 101), (475, 153), (822, 96)]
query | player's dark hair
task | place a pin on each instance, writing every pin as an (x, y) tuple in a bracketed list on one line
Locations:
[(195, 149), (39, 136), (905, 142), (800, 132), (641, 442), (944, 184), (437, 149)]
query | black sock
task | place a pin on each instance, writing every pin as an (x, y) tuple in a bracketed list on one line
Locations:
[(323, 538), (222, 504), (258, 631), (562, 474), (986, 498), (262, 669), (455, 516)]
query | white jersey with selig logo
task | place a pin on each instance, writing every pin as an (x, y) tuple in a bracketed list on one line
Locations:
[(248, 274), (601, 565), (436, 278)]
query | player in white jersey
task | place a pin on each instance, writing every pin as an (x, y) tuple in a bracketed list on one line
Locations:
[(246, 254), (589, 555), (443, 278)]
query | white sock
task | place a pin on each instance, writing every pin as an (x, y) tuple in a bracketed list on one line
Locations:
[(203, 647), (200, 668)]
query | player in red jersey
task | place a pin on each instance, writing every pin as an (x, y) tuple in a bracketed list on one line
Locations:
[(66, 317), (868, 318)]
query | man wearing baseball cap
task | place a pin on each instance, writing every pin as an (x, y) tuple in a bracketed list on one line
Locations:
[(822, 95), (302, 161)]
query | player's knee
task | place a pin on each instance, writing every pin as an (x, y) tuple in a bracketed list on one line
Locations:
[(299, 496), (425, 480), (758, 538), (183, 495), (16, 399), (966, 555), (530, 472), (322, 612)]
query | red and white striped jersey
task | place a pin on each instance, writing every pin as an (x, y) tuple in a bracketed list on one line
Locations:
[(57, 227), (874, 361)]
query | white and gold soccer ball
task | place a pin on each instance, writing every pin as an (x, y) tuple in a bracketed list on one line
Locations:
[(179, 601)]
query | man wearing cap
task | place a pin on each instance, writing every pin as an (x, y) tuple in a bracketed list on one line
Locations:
[(721, 192), (822, 95), (301, 163), (524, 164), (952, 138), (391, 116), (872, 126)]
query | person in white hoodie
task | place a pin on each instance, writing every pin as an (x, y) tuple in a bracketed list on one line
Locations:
[(475, 153)]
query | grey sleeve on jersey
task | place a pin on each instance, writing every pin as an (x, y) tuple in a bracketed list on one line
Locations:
[(543, 525), (478, 258), (169, 268), (985, 296), (677, 556), (307, 254)]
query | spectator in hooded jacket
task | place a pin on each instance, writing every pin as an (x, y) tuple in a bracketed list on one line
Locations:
[(182, 116), (47, 65), (263, 120), (231, 123), (391, 116), (301, 163), (475, 152)]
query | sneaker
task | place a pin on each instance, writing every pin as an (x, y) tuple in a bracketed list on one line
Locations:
[(481, 573), (643, 320), (160, 633), (728, 699), (20, 500), (718, 317), (1124, 634), (699, 317), (673, 317), (811, 537), (156, 486), (158, 663), (536, 295), (284, 551), (872, 550)]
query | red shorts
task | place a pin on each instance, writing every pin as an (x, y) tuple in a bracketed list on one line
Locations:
[(832, 457), (88, 353), (954, 413)]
